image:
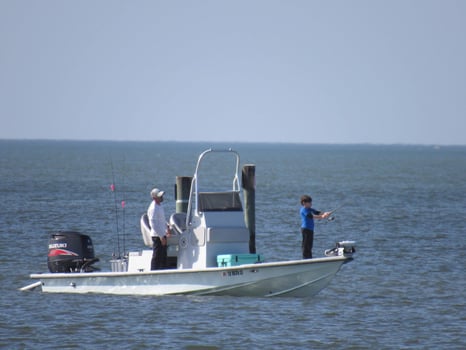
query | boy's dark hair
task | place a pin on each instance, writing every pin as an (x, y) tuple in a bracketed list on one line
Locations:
[(305, 198)]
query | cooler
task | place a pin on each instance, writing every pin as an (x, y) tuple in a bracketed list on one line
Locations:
[(226, 260)]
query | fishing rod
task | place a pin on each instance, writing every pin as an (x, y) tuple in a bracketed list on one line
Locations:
[(330, 215), (112, 188), (123, 204)]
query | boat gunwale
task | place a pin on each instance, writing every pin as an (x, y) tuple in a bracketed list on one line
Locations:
[(50, 275)]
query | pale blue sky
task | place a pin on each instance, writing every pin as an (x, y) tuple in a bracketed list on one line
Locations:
[(257, 71)]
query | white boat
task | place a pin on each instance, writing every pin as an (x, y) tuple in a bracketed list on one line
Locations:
[(209, 249)]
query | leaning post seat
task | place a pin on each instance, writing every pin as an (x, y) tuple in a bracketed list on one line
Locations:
[(178, 222), (145, 230)]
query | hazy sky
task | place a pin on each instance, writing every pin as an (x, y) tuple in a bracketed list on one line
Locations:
[(389, 71)]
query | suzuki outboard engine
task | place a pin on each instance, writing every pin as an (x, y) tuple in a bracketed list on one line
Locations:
[(70, 252)]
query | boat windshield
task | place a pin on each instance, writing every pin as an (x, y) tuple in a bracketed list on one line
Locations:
[(219, 201)]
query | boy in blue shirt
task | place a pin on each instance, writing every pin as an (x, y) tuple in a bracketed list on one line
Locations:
[(308, 215)]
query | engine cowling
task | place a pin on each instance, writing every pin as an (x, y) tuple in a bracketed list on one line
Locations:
[(70, 252)]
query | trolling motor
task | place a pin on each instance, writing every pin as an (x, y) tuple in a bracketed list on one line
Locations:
[(343, 248)]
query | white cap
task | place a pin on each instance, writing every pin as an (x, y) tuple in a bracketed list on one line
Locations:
[(156, 193)]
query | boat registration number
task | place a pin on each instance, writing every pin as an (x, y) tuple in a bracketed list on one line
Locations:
[(232, 273)]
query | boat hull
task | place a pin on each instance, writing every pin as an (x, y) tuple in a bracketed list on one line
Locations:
[(297, 278)]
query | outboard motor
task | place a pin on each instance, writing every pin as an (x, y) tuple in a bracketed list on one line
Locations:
[(70, 252)]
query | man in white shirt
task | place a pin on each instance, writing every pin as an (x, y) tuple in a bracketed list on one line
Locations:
[(159, 230)]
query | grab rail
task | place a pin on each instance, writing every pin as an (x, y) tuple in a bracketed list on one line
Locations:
[(193, 204)]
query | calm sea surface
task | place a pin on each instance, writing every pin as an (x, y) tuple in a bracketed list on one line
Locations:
[(404, 205)]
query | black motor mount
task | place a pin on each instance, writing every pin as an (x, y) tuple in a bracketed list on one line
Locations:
[(70, 252)]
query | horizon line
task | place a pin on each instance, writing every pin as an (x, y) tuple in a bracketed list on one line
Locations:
[(241, 142)]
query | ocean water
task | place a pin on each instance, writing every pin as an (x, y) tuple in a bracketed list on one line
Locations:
[(404, 205)]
